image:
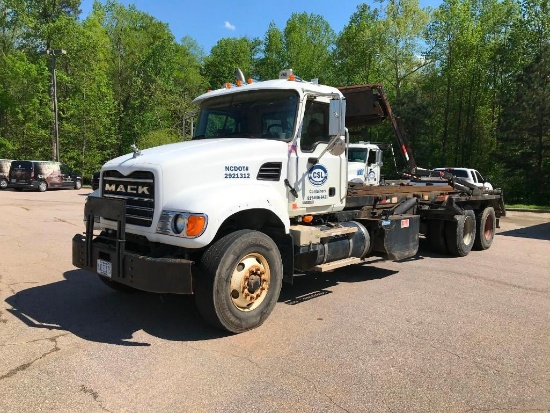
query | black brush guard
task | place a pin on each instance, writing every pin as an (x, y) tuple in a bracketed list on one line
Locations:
[(158, 275)]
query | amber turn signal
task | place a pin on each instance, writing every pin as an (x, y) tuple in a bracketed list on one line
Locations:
[(195, 225)]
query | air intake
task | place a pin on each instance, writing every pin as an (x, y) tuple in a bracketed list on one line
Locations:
[(270, 171)]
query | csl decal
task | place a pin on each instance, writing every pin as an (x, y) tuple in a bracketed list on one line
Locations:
[(317, 175)]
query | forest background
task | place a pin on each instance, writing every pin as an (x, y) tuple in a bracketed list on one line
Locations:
[(470, 79)]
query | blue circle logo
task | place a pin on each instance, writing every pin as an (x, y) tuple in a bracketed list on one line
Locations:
[(317, 175)]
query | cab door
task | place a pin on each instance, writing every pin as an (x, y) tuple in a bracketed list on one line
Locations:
[(321, 178), (372, 171)]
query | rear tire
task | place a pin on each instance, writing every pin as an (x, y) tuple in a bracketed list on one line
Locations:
[(460, 233), (239, 281), (436, 236), (3, 183), (42, 186), (486, 225)]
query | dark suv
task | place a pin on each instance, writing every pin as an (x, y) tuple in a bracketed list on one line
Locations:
[(42, 175)]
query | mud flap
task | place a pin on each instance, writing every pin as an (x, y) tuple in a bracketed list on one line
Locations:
[(396, 237)]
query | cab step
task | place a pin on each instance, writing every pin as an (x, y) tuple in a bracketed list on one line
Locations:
[(333, 232), (337, 264)]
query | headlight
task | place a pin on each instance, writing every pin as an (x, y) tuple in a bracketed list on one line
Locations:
[(178, 223), (182, 224)]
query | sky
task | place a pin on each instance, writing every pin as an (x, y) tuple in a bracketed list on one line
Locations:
[(208, 21)]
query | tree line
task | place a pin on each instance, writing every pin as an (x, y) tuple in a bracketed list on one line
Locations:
[(470, 79)]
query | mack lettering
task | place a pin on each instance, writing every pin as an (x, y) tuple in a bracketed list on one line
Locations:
[(130, 189)]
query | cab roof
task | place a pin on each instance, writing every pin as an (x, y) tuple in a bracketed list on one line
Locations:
[(277, 84)]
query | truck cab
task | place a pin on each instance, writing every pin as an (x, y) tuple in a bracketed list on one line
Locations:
[(364, 163)]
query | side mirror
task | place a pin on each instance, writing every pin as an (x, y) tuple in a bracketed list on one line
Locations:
[(337, 147), (337, 116)]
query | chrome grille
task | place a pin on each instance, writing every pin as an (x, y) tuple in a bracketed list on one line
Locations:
[(138, 189)]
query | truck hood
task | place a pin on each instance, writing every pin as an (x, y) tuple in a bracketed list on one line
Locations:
[(203, 151), (206, 165)]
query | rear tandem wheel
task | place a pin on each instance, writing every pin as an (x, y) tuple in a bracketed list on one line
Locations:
[(486, 226), (436, 236), (460, 233)]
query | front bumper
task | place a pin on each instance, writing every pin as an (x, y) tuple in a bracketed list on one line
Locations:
[(159, 275)]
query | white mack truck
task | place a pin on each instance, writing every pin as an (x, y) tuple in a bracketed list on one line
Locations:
[(261, 194)]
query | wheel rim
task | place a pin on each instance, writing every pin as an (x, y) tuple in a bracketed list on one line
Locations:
[(250, 282), (3, 183), (488, 228), (42, 186), (468, 233)]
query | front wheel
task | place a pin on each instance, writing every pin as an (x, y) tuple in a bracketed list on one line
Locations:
[(78, 184), (239, 281), (42, 186), (3, 183)]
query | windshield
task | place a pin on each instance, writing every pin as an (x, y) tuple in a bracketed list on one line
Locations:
[(266, 114), (357, 155)]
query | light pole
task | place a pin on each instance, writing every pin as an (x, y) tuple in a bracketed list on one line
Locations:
[(53, 53)]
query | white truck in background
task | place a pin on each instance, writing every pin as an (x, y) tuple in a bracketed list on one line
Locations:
[(261, 194), (364, 163), (468, 174)]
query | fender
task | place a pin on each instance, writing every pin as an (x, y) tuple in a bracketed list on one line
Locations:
[(220, 203)]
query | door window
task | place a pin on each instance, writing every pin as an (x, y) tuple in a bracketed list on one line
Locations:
[(479, 178), (65, 170), (315, 126)]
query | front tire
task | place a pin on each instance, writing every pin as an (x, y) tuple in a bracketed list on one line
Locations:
[(3, 183), (460, 234), (239, 281), (486, 225), (42, 186), (78, 184)]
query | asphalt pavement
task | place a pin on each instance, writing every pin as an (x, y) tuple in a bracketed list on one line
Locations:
[(429, 334)]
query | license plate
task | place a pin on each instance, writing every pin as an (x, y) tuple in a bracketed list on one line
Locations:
[(13, 181), (104, 268)]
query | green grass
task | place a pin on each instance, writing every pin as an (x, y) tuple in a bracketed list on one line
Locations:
[(523, 206)]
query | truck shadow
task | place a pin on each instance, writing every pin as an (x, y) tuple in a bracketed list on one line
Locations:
[(539, 232), (82, 305), (312, 285)]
